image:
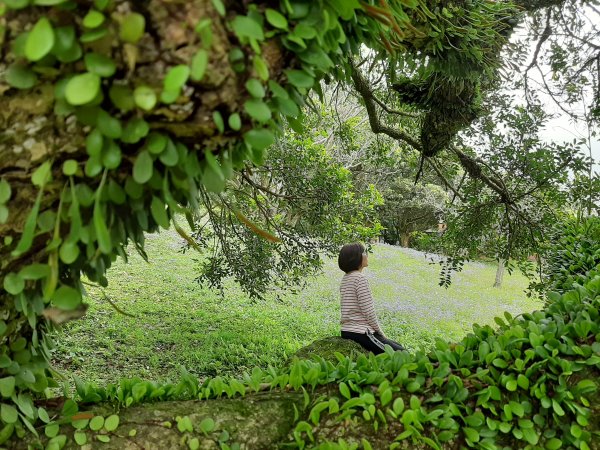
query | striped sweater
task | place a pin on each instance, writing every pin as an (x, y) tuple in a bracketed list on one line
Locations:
[(358, 309)]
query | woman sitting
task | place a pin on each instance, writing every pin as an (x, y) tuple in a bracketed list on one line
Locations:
[(359, 321)]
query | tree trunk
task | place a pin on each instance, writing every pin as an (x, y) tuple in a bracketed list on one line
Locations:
[(405, 239), (499, 273)]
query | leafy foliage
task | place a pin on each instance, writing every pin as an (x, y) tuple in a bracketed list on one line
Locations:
[(573, 256)]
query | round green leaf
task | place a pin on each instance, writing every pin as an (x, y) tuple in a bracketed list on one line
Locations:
[(8, 413), (235, 122), (132, 28), (169, 97), (122, 97), (93, 19), (156, 143), (99, 64), (145, 97), (7, 386), (207, 425), (40, 40), (68, 252), (35, 271), (109, 126), (80, 437), (135, 130), (300, 78), (257, 109), (103, 438), (20, 77), (13, 283), (176, 78), (111, 423), (94, 142), (255, 88), (43, 415), (96, 423), (66, 298), (82, 89), (143, 167), (111, 155), (70, 167), (51, 430), (259, 139), (246, 27)]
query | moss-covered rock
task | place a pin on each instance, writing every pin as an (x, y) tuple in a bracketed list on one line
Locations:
[(327, 347)]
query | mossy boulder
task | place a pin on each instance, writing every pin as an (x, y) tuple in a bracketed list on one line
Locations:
[(327, 347)]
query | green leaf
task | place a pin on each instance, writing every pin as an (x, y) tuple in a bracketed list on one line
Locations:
[(13, 283), (29, 228), (300, 78), (207, 425), (218, 119), (103, 438), (66, 298), (245, 27), (194, 444), (43, 415), (145, 97), (218, 4), (257, 109), (5, 191), (40, 40), (386, 397), (235, 122), (69, 252), (80, 437), (111, 155), (259, 139), (99, 64), (70, 167), (255, 88), (42, 174), (3, 214), (109, 126), (159, 213), (96, 423), (34, 271), (7, 386), (122, 97), (276, 19), (261, 68), (143, 167), (523, 381), (135, 130), (102, 233), (94, 142), (170, 156), (111, 423), (576, 431), (93, 35), (176, 78), (8, 413), (199, 65), (471, 434), (132, 28), (168, 97), (51, 430), (511, 385), (554, 444), (93, 19), (398, 406), (82, 89), (20, 77), (557, 408)]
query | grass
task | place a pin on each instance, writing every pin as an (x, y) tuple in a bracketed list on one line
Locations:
[(179, 323)]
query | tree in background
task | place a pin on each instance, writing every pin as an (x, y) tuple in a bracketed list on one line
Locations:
[(302, 196), (410, 207)]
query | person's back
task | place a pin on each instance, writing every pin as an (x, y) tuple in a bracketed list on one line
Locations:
[(358, 309)]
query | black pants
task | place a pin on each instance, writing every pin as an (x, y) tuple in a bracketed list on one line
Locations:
[(373, 342)]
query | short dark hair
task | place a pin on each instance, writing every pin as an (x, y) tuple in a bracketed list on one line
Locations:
[(350, 257)]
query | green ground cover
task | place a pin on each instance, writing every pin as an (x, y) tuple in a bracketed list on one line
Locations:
[(179, 323)]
